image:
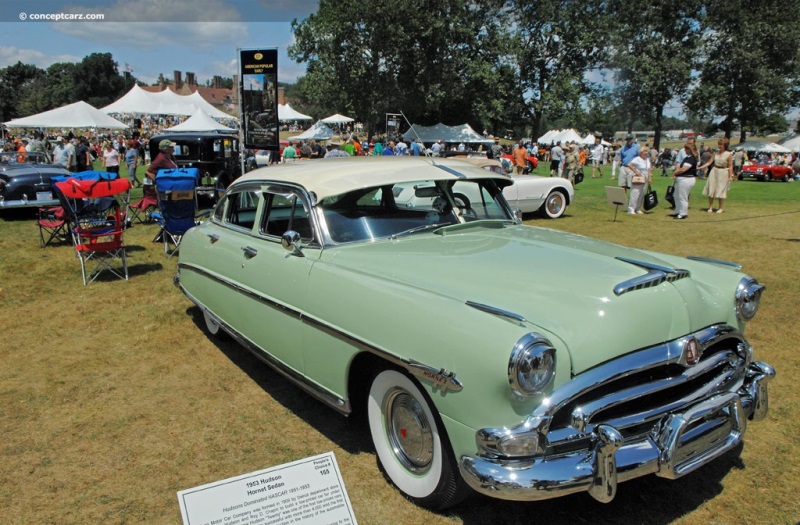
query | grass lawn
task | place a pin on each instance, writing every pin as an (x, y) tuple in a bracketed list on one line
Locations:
[(112, 397)]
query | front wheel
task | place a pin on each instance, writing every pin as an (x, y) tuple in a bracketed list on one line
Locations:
[(767, 177), (554, 205), (410, 444)]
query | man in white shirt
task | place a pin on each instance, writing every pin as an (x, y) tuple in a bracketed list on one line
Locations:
[(597, 158), (556, 159)]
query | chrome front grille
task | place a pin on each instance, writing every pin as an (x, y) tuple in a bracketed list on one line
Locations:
[(635, 392)]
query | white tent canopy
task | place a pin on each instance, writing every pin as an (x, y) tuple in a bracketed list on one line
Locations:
[(545, 139), (287, 112), (200, 121), (567, 135), (319, 131), (588, 140), (463, 133), (762, 146), (166, 102), (75, 115), (337, 119), (792, 142)]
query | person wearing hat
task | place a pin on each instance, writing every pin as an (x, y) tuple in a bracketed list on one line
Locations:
[(496, 149), (165, 160), (627, 153), (437, 148), (63, 153), (335, 151)]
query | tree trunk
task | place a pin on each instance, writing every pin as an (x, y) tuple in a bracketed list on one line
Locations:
[(657, 130)]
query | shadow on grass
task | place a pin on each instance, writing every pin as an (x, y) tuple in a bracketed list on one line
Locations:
[(349, 433), (649, 499)]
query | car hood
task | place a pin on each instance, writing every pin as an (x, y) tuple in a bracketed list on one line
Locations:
[(561, 283)]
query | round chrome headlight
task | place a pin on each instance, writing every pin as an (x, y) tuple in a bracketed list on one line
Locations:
[(532, 365), (748, 297)]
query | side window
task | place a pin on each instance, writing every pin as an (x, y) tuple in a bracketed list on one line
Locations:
[(285, 212), (240, 209)]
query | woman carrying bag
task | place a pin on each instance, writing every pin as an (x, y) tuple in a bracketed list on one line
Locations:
[(685, 176), (641, 168)]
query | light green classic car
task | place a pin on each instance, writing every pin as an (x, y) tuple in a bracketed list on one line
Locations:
[(519, 362)]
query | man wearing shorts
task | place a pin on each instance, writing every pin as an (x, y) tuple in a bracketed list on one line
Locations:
[(597, 158), (627, 153)]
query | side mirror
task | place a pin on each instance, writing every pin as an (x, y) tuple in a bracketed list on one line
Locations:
[(291, 243), (517, 216)]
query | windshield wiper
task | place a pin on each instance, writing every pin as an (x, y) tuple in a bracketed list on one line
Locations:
[(420, 228)]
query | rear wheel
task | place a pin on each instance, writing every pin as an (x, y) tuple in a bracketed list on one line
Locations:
[(212, 325), (554, 205), (410, 442), (529, 167), (786, 178)]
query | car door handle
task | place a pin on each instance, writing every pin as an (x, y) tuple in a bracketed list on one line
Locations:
[(213, 237), (249, 252)]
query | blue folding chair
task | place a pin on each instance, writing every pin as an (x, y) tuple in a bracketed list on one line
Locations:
[(177, 203)]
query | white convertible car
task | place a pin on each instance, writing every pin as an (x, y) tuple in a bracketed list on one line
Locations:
[(549, 196)]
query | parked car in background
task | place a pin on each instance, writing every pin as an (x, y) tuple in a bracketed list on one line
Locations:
[(27, 184), (766, 171), (548, 196), (214, 154), (486, 355), (531, 163)]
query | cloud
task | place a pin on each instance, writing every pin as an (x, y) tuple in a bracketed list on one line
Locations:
[(11, 55)]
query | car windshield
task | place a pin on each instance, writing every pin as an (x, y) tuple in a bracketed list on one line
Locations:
[(411, 207)]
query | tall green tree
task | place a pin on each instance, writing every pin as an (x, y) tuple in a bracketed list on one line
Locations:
[(98, 82), (751, 66), (655, 48), (555, 44), (15, 82), (428, 58)]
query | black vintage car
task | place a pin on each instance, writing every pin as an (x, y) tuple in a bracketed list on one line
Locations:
[(215, 154), (27, 184)]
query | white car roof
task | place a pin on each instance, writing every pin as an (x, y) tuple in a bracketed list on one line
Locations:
[(335, 176)]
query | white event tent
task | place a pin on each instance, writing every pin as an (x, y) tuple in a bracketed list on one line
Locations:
[(451, 134), (337, 119), (567, 135), (792, 142), (762, 146), (287, 112), (76, 115), (200, 121), (319, 131), (138, 101), (588, 140)]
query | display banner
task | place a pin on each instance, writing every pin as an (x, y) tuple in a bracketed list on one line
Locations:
[(308, 491), (258, 95)]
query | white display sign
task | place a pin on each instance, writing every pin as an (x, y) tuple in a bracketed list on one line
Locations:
[(309, 491)]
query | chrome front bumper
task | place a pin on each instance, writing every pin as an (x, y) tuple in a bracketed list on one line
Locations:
[(681, 443)]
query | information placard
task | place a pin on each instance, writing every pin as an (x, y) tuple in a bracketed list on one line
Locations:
[(309, 491)]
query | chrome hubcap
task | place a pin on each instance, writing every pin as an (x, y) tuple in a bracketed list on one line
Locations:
[(554, 204), (408, 431)]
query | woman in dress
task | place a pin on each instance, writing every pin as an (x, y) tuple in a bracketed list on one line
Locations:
[(642, 175), (720, 176)]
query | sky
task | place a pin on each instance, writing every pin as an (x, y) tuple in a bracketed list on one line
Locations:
[(152, 36)]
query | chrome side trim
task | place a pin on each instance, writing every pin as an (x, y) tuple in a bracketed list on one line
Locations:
[(656, 275), (337, 403), (438, 376), (735, 266), (497, 311)]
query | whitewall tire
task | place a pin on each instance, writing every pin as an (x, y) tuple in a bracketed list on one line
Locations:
[(410, 444)]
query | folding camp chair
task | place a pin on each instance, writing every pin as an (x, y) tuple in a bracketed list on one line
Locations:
[(142, 210), (97, 230), (52, 223), (177, 203)]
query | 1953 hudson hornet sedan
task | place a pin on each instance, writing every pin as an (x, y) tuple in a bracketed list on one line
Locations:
[(518, 362)]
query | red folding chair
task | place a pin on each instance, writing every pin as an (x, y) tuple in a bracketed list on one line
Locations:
[(142, 210), (99, 241), (52, 223)]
